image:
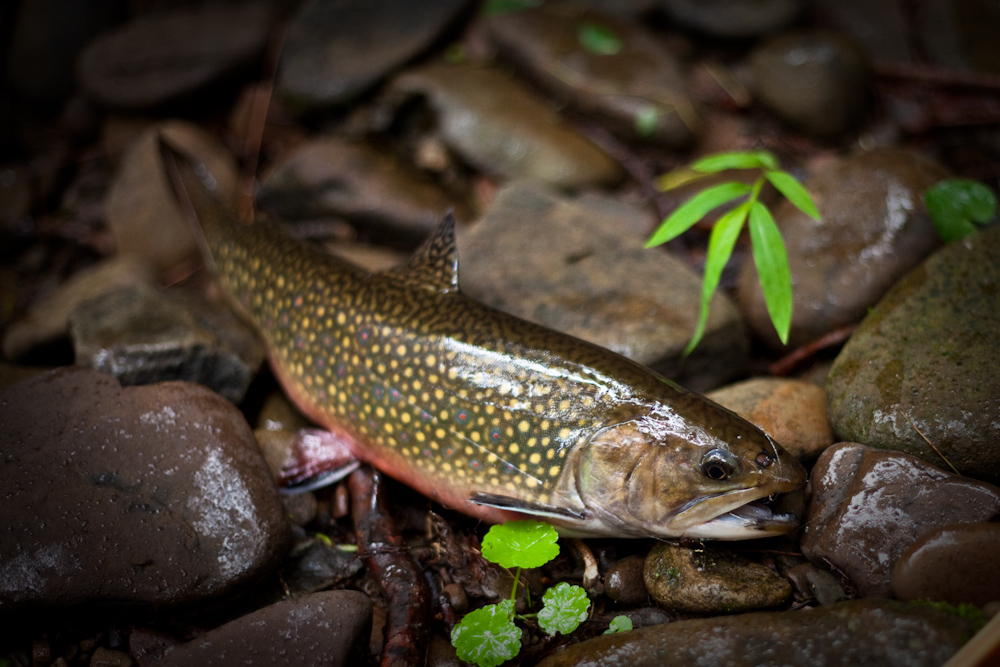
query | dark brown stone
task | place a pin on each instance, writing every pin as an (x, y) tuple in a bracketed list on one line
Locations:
[(956, 564)]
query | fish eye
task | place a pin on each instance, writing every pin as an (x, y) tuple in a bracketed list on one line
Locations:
[(718, 464)]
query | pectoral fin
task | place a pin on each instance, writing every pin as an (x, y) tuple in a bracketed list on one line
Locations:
[(527, 507)]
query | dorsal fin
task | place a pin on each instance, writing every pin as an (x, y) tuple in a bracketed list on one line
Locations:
[(435, 264)]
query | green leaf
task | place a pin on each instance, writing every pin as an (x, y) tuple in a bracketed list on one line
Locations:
[(772, 268), (598, 39), (759, 159), (487, 636), (675, 178), (647, 120), (720, 249), (521, 544), (694, 209), (956, 203), (507, 6), (619, 624), (794, 192), (565, 608)]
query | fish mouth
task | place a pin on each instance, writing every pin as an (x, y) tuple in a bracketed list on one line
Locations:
[(751, 520)]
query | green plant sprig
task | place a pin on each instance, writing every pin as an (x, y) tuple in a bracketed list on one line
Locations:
[(768, 248), (957, 205), (488, 636)]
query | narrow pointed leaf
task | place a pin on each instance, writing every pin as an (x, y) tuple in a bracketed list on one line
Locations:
[(720, 249), (694, 209), (794, 192), (712, 164), (675, 178), (772, 268)]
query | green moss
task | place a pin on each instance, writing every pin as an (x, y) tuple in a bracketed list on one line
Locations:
[(965, 610)]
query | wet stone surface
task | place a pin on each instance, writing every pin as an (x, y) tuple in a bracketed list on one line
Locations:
[(733, 18), (711, 579), (623, 582), (579, 271), (866, 633), (142, 335), (327, 628), (925, 358), (870, 505), (147, 495), (873, 229)]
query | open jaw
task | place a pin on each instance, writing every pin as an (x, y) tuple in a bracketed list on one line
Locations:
[(740, 519)]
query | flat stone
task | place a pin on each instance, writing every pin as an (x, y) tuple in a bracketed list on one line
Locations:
[(860, 633), (792, 412), (383, 196), (48, 319), (925, 358), (498, 126), (142, 335), (171, 55), (141, 208), (327, 628), (313, 566), (818, 81), (336, 49), (873, 229), (579, 266), (818, 584), (710, 580), (955, 564), (150, 495), (639, 91), (733, 18), (869, 506)]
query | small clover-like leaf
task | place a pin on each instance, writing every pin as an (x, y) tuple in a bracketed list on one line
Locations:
[(772, 268), (619, 624), (487, 636), (786, 184), (759, 159), (956, 203), (521, 544), (565, 608), (598, 39), (694, 209)]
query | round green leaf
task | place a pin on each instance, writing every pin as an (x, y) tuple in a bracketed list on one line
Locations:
[(487, 636), (521, 544), (619, 624), (956, 203), (565, 608)]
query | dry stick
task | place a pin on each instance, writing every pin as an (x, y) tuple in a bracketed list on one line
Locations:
[(389, 562), (788, 363), (927, 440)]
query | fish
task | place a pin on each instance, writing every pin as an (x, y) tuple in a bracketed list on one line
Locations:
[(479, 410)]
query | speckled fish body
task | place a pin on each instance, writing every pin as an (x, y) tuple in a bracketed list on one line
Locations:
[(485, 412)]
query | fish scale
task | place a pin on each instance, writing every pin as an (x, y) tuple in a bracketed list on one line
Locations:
[(476, 408)]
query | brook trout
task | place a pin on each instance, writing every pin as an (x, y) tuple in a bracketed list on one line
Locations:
[(482, 411)]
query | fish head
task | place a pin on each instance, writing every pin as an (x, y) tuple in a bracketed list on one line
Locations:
[(663, 473)]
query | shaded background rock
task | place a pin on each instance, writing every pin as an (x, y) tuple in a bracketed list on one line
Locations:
[(639, 90), (336, 49), (579, 270), (173, 54), (925, 358), (733, 18), (870, 505), (873, 229), (145, 495)]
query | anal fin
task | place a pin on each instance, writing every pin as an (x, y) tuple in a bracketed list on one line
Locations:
[(527, 506)]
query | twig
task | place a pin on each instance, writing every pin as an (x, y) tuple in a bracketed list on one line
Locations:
[(788, 363), (927, 440), (384, 552)]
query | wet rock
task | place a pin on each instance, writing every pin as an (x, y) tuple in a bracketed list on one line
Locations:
[(12, 374), (49, 318), (874, 228), (442, 654), (955, 564), (924, 358), (327, 628), (105, 657), (865, 633), (313, 566), (638, 90), (141, 208), (47, 37), (869, 506), (499, 126), (882, 28), (330, 177), (790, 411), (571, 264), (146, 495), (818, 81), (300, 508), (733, 18), (959, 34), (171, 55), (818, 584), (710, 579), (337, 49), (624, 583), (142, 335)]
